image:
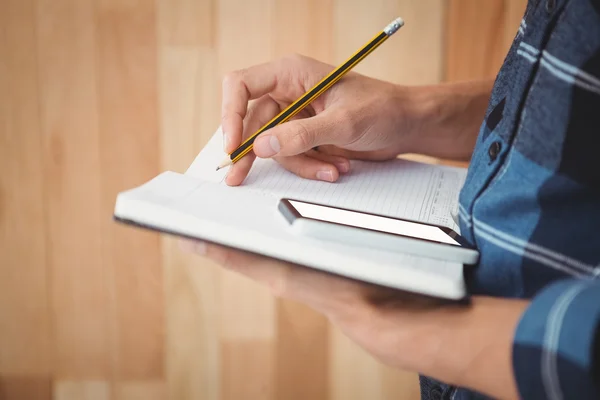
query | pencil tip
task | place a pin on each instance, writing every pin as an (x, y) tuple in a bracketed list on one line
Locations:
[(218, 168)]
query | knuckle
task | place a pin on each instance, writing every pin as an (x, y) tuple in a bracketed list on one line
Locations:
[(302, 136)]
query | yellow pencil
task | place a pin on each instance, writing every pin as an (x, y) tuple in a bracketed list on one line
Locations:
[(315, 92)]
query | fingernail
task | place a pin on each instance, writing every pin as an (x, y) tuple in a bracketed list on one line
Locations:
[(266, 146), (342, 166), (325, 176)]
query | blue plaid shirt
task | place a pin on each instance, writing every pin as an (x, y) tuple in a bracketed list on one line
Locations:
[(531, 201)]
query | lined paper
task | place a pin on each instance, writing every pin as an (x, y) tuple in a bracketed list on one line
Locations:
[(397, 188)]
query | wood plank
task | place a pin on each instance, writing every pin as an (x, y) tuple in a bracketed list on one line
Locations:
[(25, 387), (81, 390), (128, 81), (193, 360), (476, 39), (353, 374), (240, 357), (302, 353), (238, 45), (24, 319), (189, 85), (151, 390), (68, 108), (187, 22), (403, 58), (303, 27), (192, 293)]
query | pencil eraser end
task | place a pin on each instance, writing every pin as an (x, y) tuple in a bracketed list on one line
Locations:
[(394, 26)]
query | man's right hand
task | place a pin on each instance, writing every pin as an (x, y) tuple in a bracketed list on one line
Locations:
[(357, 118)]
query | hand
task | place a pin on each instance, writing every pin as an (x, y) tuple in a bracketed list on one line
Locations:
[(464, 346), (357, 118), (359, 309)]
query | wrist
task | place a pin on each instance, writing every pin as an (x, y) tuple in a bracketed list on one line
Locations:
[(446, 117), (474, 346)]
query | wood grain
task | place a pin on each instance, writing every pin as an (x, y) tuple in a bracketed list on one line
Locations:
[(24, 313), (69, 116), (302, 355), (81, 389), (188, 82), (26, 387), (129, 154), (240, 358), (412, 56), (97, 96), (479, 35)]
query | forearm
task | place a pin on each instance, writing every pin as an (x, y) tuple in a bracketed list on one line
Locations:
[(450, 116), (476, 346)]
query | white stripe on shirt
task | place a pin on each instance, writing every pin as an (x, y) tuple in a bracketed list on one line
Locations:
[(554, 323), (534, 248), (527, 56), (560, 69), (521, 252), (529, 48), (572, 70)]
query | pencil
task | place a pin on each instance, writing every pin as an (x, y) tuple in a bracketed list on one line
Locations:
[(315, 92)]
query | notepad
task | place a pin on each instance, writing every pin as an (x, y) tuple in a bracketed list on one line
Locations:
[(199, 204)]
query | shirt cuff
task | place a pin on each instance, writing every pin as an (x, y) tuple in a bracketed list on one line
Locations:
[(555, 344)]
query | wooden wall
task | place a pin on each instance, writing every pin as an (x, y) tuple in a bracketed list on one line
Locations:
[(99, 95)]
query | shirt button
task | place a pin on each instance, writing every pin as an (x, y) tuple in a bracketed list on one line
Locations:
[(550, 5), (435, 393), (494, 150)]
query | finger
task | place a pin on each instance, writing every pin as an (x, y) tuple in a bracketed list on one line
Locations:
[(333, 295), (238, 172), (342, 164), (238, 89), (310, 168), (297, 137), (259, 113), (286, 280), (350, 154), (280, 78)]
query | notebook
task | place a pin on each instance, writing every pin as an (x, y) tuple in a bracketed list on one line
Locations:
[(199, 204)]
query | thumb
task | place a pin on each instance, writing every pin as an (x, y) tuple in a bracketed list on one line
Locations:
[(295, 137)]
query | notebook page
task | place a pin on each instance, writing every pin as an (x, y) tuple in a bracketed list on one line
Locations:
[(398, 188)]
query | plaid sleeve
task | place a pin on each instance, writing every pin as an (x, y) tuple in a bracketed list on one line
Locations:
[(556, 345)]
